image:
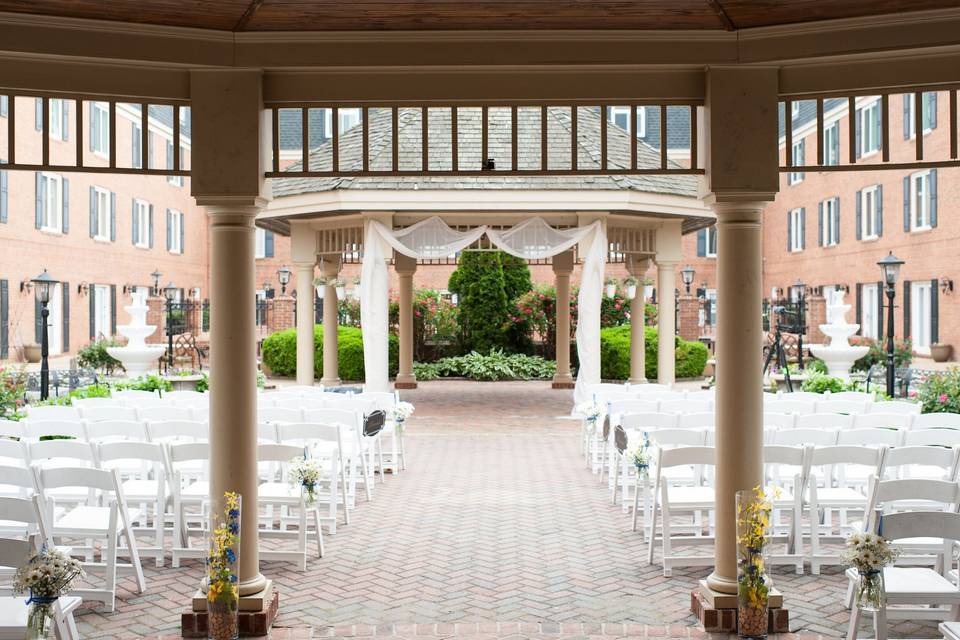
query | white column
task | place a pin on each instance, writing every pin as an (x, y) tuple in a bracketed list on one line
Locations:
[(233, 382), (405, 268), (562, 270), (330, 269), (305, 346), (666, 321), (637, 268)]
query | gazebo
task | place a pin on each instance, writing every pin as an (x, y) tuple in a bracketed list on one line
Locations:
[(641, 216)]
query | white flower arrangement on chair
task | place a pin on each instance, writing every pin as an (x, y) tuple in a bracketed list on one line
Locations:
[(641, 456), (869, 553), (306, 473), (399, 414), (47, 576), (591, 412)]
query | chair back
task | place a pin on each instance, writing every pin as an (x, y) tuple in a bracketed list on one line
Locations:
[(777, 454), (381, 399), (110, 452), (882, 421), (808, 396), (678, 437), (914, 489), (187, 398), (932, 437), (649, 421), (13, 451), (856, 396), (280, 414), (608, 387), (89, 403), (26, 512), (897, 406), (778, 420), (17, 479), (786, 405), (373, 423), (181, 452), (53, 412), (96, 414), (171, 430), (848, 407), (282, 453), (935, 421), (266, 432), (15, 552), (62, 453), (58, 477), (620, 407), (919, 524), (35, 429), (803, 437), (686, 406), (697, 420), (280, 399), (908, 460), (135, 397), (847, 454), (116, 430), (170, 412), (685, 456), (821, 420), (347, 417), (12, 429), (304, 433), (870, 437)]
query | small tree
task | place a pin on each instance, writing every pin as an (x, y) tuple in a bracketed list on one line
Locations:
[(484, 311)]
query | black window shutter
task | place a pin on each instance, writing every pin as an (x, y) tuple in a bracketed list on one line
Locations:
[(113, 310), (65, 222), (907, 99), (268, 244), (169, 230), (4, 319), (92, 293), (859, 307), (820, 223), (37, 321), (39, 200), (932, 108), (879, 310), (906, 203), (933, 198), (702, 242), (877, 124), (803, 228), (136, 138), (906, 309), (93, 212), (94, 127), (858, 216), (65, 290), (113, 216), (878, 199), (934, 311)]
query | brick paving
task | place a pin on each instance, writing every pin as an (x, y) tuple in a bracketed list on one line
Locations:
[(495, 530)]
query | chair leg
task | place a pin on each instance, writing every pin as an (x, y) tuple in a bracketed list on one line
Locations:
[(343, 482), (665, 541), (134, 554), (854, 623), (110, 561), (302, 536), (653, 531), (615, 468), (367, 477), (319, 532), (636, 508), (880, 622)]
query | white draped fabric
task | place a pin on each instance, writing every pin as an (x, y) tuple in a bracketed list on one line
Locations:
[(532, 239)]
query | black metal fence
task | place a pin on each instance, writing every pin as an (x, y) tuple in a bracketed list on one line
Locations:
[(185, 317)]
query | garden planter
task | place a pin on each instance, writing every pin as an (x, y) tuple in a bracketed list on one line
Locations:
[(611, 290), (631, 291), (184, 383), (31, 353), (941, 352)]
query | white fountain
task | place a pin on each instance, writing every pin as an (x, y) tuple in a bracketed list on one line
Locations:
[(137, 357), (839, 355)]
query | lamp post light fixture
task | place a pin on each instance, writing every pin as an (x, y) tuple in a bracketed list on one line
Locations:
[(169, 292), (686, 274), (42, 287), (801, 326), (156, 281), (283, 275), (890, 270)]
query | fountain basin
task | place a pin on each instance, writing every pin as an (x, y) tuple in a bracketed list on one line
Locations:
[(138, 360), (838, 358)]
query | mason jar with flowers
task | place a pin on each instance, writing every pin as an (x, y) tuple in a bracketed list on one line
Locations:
[(306, 474), (47, 576), (399, 413), (641, 456), (868, 554), (591, 411)]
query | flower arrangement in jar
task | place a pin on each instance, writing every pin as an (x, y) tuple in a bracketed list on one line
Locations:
[(754, 508), (47, 576), (223, 594), (399, 413), (591, 412), (869, 553), (306, 473), (641, 456)]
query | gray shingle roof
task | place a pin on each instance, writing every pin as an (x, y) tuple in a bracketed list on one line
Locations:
[(164, 115), (499, 148), (807, 112)]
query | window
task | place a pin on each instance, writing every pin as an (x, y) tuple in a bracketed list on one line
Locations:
[(174, 231), (796, 222), (136, 143), (4, 194), (711, 242), (177, 180), (50, 203), (922, 194), (101, 311), (794, 109), (831, 144), (928, 105), (100, 128), (142, 224), (4, 106), (797, 155), (348, 118), (829, 222), (710, 313), (100, 210), (868, 129), (870, 213), (59, 117), (264, 243), (870, 309), (620, 116), (921, 316)]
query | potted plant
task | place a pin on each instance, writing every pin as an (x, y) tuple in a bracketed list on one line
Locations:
[(31, 352), (341, 288), (611, 287), (940, 352), (631, 286)]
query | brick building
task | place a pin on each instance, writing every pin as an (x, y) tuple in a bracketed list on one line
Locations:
[(99, 234)]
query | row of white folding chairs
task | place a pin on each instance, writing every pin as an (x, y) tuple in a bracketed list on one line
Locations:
[(106, 411), (820, 484), (801, 404)]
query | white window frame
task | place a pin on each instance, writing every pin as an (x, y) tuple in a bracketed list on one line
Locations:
[(260, 243), (869, 145), (869, 310), (921, 318), (711, 242), (101, 143), (796, 230), (348, 118), (869, 211), (102, 311), (56, 119), (177, 180), (136, 139), (830, 237), (829, 131), (51, 219), (796, 177), (794, 108), (102, 213), (912, 118), (624, 112), (143, 223), (920, 204), (176, 220)]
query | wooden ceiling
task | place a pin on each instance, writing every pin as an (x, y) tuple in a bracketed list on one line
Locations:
[(380, 15)]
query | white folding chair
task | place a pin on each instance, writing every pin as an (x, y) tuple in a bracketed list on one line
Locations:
[(671, 500), (786, 405), (13, 612), (820, 420), (778, 420), (277, 491), (53, 412), (922, 461), (280, 414), (825, 493), (663, 438), (876, 420), (178, 431), (356, 451), (188, 468), (323, 442), (936, 421), (848, 407), (96, 414), (145, 487), (105, 517), (784, 467), (913, 592), (897, 406), (686, 406), (22, 517), (36, 429), (164, 414), (697, 420), (112, 430)]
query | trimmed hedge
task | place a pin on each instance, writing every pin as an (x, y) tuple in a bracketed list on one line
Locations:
[(691, 357), (279, 353)]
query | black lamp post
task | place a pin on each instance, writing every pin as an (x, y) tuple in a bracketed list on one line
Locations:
[(156, 281), (42, 287), (801, 327), (283, 275), (169, 292), (686, 274), (890, 269)]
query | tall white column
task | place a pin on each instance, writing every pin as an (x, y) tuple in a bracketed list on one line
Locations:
[(666, 320), (330, 269), (637, 267), (739, 401), (405, 267), (233, 382), (305, 346), (562, 270)]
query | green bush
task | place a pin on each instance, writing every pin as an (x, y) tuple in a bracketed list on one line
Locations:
[(279, 352), (691, 357), (877, 355), (145, 383), (484, 306), (940, 393), (816, 382), (495, 365), (95, 356), (93, 391)]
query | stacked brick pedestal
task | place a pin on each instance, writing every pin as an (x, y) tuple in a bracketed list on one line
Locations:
[(689, 328), (282, 314), (193, 624), (718, 612)]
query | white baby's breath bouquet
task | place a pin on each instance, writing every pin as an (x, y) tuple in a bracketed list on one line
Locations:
[(46, 577), (306, 473), (869, 553), (399, 414), (641, 455), (591, 412)]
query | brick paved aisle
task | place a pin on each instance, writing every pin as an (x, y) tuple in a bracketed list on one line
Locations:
[(496, 520)]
